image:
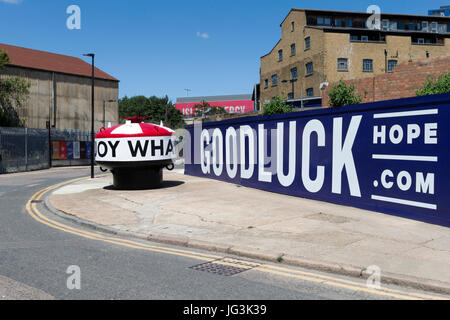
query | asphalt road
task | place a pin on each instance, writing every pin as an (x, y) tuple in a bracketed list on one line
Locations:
[(34, 259)]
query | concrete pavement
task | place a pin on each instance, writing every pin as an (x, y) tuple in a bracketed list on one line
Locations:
[(218, 216)]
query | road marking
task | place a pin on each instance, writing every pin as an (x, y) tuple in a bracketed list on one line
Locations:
[(34, 212)]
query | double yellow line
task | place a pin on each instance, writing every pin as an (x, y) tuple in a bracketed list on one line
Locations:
[(32, 210)]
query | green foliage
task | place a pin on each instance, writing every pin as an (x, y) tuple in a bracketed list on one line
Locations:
[(157, 108), (341, 95), (13, 92), (205, 108), (276, 106), (4, 59), (442, 85)]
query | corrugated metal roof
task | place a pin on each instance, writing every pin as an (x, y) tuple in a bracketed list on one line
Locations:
[(42, 60), (234, 97)]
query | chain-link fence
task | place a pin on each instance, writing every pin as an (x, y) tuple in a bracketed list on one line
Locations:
[(24, 149)]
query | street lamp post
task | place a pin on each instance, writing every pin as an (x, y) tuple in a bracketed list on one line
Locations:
[(92, 55)]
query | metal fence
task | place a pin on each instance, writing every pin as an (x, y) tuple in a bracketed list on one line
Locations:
[(24, 149)]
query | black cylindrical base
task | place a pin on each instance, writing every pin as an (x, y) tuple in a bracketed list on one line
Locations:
[(137, 178)]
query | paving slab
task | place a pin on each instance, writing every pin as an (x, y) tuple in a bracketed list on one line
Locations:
[(224, 217)]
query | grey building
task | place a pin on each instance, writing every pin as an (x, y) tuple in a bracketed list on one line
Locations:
[(60, 90)]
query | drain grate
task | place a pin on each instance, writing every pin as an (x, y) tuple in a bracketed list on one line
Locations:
[(226, 266)]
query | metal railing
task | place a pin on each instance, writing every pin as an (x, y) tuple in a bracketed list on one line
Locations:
[(26, 149)]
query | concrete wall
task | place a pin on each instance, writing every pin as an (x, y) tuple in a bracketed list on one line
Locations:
[(402, 83), (73, 99)]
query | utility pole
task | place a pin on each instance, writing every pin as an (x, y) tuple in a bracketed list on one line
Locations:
[(187, 92)]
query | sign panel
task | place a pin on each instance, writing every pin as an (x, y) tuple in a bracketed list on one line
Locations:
[(389, 156), (62, 150), (76, 149), (69, 146), (55, 150), (135, 149), (88, 149), (238, 106)]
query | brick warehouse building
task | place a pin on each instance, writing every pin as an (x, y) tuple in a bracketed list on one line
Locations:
[(319, 47), (60, 90)]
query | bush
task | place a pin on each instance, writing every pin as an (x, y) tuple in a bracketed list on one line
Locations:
[(442, 85), (341, 95), (276, 106)]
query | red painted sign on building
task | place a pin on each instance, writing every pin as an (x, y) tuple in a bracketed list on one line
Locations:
[(238, 106)]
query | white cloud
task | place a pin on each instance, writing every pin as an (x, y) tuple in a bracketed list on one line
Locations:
[(202, 35), (11, 1)]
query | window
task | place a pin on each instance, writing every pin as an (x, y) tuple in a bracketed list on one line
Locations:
[(400, 25), (310, 92), (307, 43), (348, 23), (425, 26), (342, 64), (354, 37), (280, 55), (292, 26), (266, 83), (421, 41), (294, 73), (393, 25), (338, 22), (290, 96), (293, 49), (274, 80), (367, 65), (385, 24), (434, 27), (321, 21), (391, 65), (364, 38), (309, 68), (411, 26)]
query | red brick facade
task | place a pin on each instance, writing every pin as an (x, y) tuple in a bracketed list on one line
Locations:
[(402, 83)]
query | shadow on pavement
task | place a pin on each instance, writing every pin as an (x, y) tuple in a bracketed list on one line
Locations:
[(164, 185)]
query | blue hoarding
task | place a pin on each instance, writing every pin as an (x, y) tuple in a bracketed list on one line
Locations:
[(390, 156)]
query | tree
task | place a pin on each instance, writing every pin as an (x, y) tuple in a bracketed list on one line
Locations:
[(341, 95), (158, 109), (13, 92), (276, 106), (442, 85), (205, 108)]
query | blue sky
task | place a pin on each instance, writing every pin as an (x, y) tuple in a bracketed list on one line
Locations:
[(159, 47)]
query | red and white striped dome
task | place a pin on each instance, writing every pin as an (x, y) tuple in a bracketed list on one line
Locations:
[(130, 129)]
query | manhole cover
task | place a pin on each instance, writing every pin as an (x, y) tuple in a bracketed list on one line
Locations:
[(226, 266)]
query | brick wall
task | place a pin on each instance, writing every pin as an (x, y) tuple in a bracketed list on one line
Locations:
[(402, 83)]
